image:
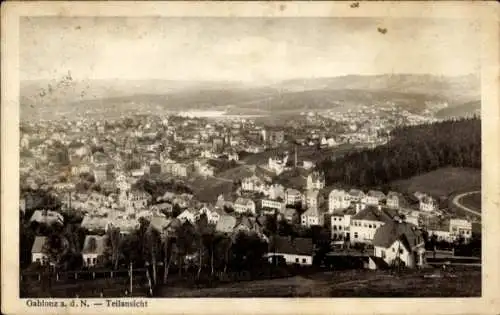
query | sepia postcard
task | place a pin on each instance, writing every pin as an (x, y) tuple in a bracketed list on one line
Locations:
[(250, 157)]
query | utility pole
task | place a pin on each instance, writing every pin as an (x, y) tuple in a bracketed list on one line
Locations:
[(131, 277)]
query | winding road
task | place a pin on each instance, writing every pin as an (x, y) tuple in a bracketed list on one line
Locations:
[(457, 198)]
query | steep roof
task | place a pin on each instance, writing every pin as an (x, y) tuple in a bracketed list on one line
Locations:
[(376, 193), (38, 244), (379, 262), (289, 245), (394, 194), (372, 214), (225, 224), (159, 223), (47, 217), (245, 221), (243, 201), (356, 192), (387, 234), (293, 191)]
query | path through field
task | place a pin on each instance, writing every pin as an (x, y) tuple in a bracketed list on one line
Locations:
[(456, 201)]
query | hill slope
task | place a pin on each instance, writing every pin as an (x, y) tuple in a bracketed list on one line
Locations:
[(411, 91)]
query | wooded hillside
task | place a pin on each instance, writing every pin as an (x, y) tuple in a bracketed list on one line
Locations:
[(411, 151)]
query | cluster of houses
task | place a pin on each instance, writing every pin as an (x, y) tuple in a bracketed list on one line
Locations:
[(383, 221)]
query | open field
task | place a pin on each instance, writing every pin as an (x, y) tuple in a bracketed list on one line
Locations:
[(357, 283), (208, 189), (472, 201), (442, 182)]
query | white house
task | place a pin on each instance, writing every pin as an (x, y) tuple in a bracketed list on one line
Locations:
[(365, 223), (277, 164), (340, 225), (254, 183), (394, 200), (188, 215), (244, 205), (338, 199), (312, 199), (312, 217), (276, 191), (399, 242), (315, 180), (135, 199), (373, 197), (440, 231), (460, 227), (93, 249), (273, 204), (293, 197), (428, 204), (213, 215), (356, 195), (291, 250), (233, 156), (37, 251)]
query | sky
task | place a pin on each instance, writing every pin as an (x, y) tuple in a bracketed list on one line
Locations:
[(243, 49)]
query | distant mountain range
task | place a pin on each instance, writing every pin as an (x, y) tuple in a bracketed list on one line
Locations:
[(409, 91)]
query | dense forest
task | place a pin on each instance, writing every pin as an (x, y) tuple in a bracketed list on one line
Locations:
[(412, 150)]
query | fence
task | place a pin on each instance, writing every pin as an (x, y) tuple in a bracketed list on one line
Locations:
[(78, 274)]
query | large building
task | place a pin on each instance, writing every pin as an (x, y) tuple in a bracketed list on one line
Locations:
[(364, 224)]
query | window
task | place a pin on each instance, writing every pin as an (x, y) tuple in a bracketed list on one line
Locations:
[(393, 250), (88, 261), (355, 234), (383, 253), (370, 226), (303, 260), (400, 251), (296, 260), (334, 219), (340, 228), (94, 261)]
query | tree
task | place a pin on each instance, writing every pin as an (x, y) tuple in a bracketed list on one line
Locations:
[(131, 248), (411, 151), (55, 248), (26, 238), (185, 243), (113, 246), (170, 254), (152, 249)]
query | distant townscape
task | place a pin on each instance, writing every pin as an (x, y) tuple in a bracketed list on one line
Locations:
[(174, 204)]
